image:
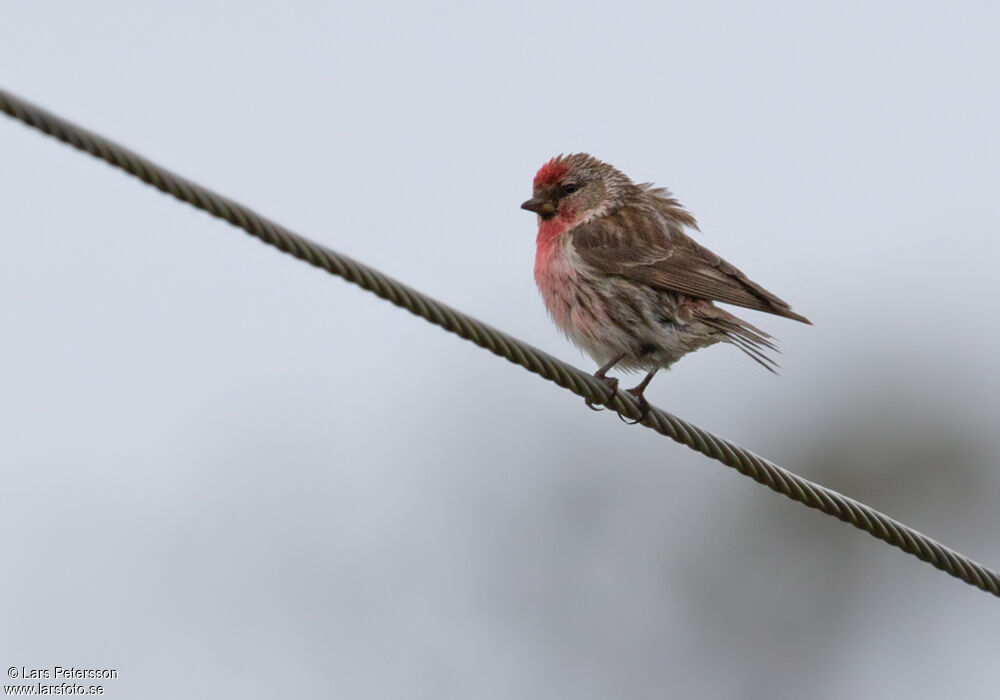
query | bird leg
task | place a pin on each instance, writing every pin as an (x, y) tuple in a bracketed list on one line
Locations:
[(610, 382), (638, 392)]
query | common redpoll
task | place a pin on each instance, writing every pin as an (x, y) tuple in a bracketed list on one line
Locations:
[(623, 281)]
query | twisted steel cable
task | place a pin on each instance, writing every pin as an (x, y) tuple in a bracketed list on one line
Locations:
[(534, 360)]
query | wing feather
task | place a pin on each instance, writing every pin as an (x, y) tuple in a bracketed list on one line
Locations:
[(638, 244)]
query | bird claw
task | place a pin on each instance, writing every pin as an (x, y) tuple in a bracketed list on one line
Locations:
[(643, 407), (612, 384)]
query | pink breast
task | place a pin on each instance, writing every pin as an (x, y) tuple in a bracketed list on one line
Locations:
[(554, 274)]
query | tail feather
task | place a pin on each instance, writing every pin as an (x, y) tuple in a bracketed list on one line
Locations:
[(751, 340)]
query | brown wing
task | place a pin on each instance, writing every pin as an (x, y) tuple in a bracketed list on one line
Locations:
[(664, 257)]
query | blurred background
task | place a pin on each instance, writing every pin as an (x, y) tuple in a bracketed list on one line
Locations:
[(227, 474)]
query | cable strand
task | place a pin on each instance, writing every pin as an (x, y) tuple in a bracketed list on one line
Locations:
[(534, 360)]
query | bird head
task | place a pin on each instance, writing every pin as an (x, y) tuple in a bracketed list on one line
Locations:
[(576, 188)]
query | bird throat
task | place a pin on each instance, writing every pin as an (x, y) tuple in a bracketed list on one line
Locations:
[(549, 232)]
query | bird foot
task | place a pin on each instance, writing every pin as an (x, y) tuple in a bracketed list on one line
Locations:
[(644, 406), (611, 383)]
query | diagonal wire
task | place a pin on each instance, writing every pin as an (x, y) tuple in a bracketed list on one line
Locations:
[(534, 360)]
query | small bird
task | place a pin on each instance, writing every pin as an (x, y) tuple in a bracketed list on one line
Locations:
[(624, 282)]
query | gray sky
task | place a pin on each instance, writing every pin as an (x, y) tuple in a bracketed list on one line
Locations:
[(229, 475)]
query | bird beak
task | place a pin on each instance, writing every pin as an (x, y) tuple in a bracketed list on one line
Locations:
[(542, 207)]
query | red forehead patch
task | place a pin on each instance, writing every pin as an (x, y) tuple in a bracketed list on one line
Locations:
[(550, 173)]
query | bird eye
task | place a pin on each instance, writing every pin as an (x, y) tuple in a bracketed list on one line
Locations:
[(570, 187)]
